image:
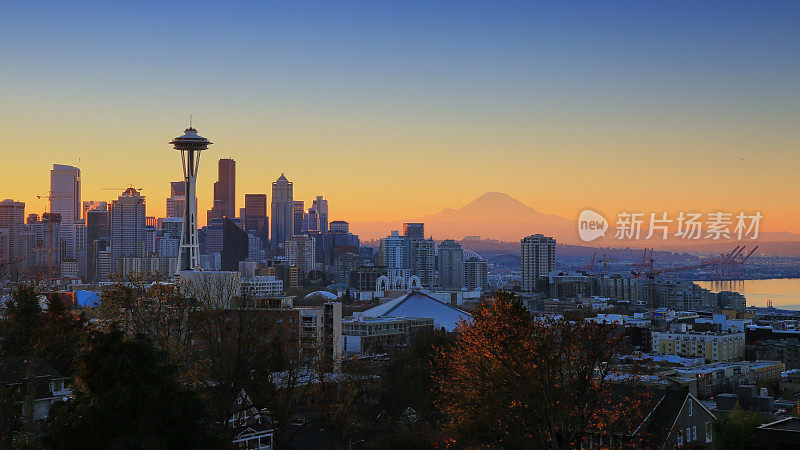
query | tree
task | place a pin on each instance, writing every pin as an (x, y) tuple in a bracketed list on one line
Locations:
[(737, 430), (126, 395), (22, 323), (514, 380), (408, 381), (54, 335)]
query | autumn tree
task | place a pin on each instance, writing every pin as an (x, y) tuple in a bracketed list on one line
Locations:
[(519, 381)]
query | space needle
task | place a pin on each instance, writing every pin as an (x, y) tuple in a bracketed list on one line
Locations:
[(190, 145)]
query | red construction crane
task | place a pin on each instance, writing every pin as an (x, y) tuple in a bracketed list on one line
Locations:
[(590, 266)]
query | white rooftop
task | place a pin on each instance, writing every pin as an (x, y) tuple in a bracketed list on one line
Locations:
[(417, 304)]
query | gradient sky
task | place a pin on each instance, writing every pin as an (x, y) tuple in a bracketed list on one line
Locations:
[(398, 109)]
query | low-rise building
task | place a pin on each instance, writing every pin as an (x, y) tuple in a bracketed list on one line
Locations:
[(262, 286), (721, 376), (374, 335), (712, 345), (786, 350)]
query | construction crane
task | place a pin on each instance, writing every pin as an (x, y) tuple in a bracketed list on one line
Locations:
[(604, 260), (121, 189), (735, 257), (588, 268), (49, 196)]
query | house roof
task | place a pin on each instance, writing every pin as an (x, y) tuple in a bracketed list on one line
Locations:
[(786, 424), (14, 369), (418, 304), (659, 411)]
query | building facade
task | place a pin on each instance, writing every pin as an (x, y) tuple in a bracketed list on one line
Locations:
[(127, 220), (282, 211), (538, 259)]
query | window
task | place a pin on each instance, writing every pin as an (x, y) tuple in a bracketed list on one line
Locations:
[(690, 407), (694, 433), (708, 432), (688, 434), (680, 439)]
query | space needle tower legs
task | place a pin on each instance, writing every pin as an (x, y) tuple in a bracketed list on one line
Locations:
[(190, 145)]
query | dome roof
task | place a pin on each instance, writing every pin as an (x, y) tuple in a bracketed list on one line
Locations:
[(325, 294)]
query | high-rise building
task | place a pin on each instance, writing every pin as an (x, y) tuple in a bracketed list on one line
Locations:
[(320, 206), (255, 216), (177, 188), (451, 265), (282, 211), (97, 239), (414, 230), (224, 191), (476, 272), (176, 202), (65, 200), (298, 217), (12, 219), (538, 259), (339, 225), (394, 252), (311, 220), (48, 252), (255, 211), (191, 145), (234, 245), (422, 259), (90, 205), (127, 228), (81, 249), (301, 253)]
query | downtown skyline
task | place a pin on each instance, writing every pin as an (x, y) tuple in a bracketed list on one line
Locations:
[(617, 106)]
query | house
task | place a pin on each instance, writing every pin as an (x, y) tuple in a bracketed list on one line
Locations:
[(667, 418), (781, 434), (253, 434), (22, 375), (419, 304)]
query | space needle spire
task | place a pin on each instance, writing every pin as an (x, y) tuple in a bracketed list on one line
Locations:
[(190, 145)]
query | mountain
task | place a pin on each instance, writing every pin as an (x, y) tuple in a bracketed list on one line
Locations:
[(496, 215)]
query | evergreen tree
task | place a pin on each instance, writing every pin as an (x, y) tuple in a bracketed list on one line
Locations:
[(127, 396), (23, 322), (737, 430)]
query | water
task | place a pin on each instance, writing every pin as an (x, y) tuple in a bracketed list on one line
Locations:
[(784, 292)]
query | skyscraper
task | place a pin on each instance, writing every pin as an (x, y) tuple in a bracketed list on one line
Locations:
[(394, 251), (12, 219), (301, 253), (422, 259), (282, 211), (65, 200), (414, 230), (97, 239), (224, 191), (176, 202), (476, 272), (255, 215), (538, 259), (320, 205), (298, 216), (127, 228), (48, 250), (451, 265)]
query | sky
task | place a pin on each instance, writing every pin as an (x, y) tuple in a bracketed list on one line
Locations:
[(399, 109)]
